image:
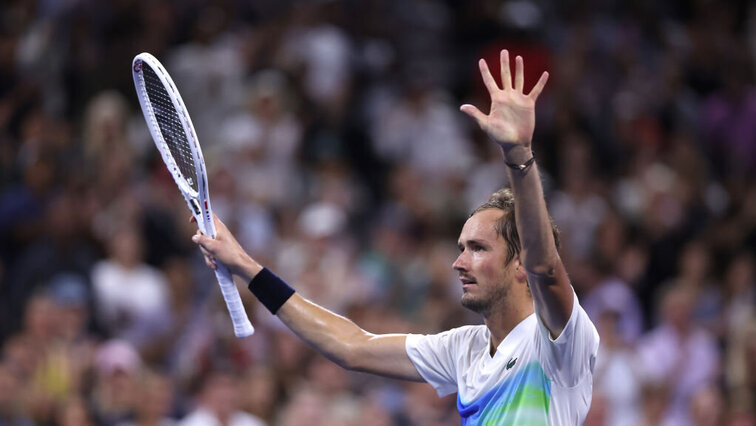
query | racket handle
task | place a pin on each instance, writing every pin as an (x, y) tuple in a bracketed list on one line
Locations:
[(242, 326)]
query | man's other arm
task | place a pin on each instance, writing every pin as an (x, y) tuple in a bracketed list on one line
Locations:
[(336, 337)]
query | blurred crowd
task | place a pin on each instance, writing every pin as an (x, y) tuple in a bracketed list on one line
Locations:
[(337, 155)]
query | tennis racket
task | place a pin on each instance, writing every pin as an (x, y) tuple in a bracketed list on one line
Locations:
[(174, 135)]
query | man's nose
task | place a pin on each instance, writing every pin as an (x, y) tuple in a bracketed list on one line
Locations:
[(460, 264)]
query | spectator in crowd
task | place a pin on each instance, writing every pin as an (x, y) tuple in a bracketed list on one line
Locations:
[(114, 396), (218, 403), (678, 356), (127, 291), (260, 392), (74, 412), (707, 407), (616, 381), (154, 403)]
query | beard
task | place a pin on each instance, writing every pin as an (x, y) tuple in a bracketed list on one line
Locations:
[(484, 303)]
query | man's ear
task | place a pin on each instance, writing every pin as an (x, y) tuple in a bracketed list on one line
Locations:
[(520, 273)]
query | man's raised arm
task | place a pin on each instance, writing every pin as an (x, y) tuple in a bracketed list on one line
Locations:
[(335, 336), (510, 123)]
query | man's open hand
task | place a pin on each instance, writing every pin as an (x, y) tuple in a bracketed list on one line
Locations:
[(511, 121)]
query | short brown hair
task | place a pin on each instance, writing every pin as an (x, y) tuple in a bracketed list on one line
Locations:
[(504, 200)]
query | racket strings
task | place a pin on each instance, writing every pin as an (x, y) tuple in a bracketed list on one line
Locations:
[(170, 125)]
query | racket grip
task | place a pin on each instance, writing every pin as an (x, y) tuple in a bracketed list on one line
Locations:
[(242, 326)]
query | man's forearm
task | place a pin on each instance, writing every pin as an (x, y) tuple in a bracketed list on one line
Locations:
[(547, 277), (325, 331), (538, 253)]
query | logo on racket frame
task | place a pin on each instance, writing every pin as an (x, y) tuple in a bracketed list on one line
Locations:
[(208, 215), (138, 66)]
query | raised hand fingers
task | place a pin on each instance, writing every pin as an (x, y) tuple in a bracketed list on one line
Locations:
[(539, 86), (519, 74), (488, 79), (506, 74)]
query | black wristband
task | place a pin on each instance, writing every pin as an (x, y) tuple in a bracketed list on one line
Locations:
[(522, 168), (270, 290)]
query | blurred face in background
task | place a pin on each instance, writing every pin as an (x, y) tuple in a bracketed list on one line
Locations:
[(306, 406), (289, 353), (180, 281), (739, 277), (61, 217), (41, 318), (677, 306), (259, 392), (126, 247), (328, 377), (156, 397), (373, 414), (39, 176), (694, 262), (118, 367), (221, 394), (73, 412), (72, 321), (607, 328), (707, 406)]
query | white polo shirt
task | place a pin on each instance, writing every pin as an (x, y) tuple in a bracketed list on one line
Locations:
[(532, 379)]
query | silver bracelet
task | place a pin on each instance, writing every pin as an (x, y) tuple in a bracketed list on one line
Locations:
[(522, 168)]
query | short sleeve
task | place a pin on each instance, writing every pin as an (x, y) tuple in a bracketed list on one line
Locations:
[(572, 355), (434, 357)]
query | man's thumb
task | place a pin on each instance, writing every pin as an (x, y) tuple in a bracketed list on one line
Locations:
[(200, 239), (475, 113)]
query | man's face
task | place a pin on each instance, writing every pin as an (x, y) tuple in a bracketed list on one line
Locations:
[(482, 267)]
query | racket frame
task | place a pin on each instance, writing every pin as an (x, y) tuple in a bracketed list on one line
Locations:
[(198, 201)]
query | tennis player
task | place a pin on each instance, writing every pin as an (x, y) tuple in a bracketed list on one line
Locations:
[(532, 361)]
